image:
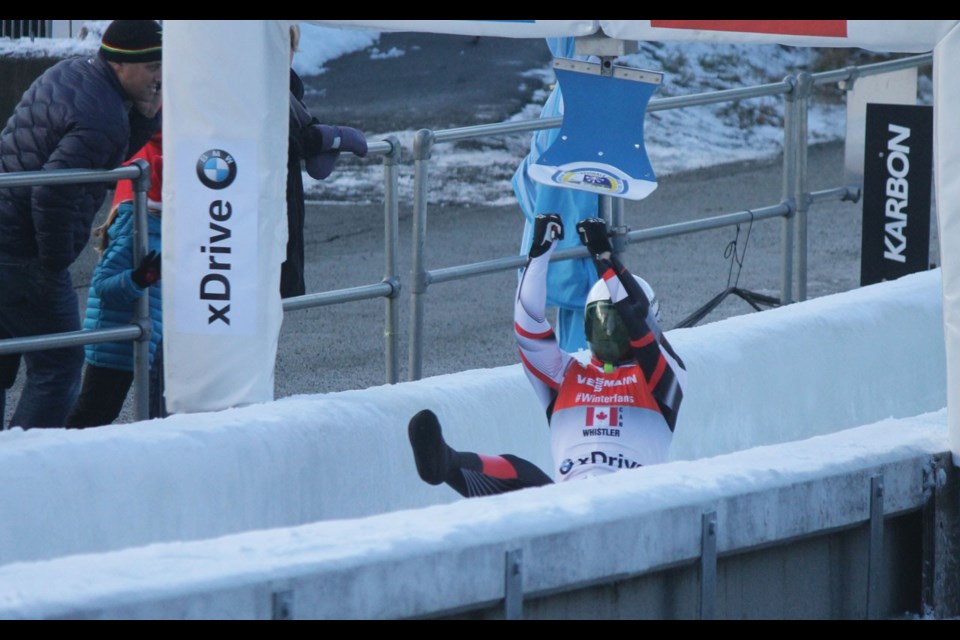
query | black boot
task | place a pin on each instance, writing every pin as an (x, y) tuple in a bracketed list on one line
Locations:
[(434, 458)]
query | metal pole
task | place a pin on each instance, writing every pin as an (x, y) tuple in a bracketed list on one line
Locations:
[(611, 210), (422, 146), (875, 549), (618, 223), (513, 585), (708, 566), (789, 179), (800, 195), (141, 246), (391, 243)]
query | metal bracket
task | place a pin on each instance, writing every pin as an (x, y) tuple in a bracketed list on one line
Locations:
[(847, 83), (282, 605), (875, 551), (513, 585), (708, 566), (614, 71), (603, 46)]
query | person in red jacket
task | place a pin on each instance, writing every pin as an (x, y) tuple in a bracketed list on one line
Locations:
[(118, 282), (616, 411)]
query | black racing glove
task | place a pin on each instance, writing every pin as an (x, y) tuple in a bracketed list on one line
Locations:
[(547, 227), (593, 235), (148, 272)]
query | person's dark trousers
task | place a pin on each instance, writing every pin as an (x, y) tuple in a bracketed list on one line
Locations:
[(9, 365), (35, 301), (101, 398), (158, 406)]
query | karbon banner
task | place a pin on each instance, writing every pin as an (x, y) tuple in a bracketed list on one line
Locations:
[(898, 164)]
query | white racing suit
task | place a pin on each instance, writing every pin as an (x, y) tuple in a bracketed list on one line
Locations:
[(602, 418)]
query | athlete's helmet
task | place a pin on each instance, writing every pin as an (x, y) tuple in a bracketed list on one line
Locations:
[(605, 331)]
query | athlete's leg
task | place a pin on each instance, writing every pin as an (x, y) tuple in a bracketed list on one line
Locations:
[(469, 474)]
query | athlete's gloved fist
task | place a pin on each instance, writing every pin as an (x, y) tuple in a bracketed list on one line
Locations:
[(593, 235), (547, 227), (148, 272)]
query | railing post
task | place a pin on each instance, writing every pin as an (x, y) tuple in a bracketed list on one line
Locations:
[(875, 549), (422, 146), (940, 589), (708, 566), (513, 585), (789, 180), (391, 214), (803, 89), (611, 210), (141, 316)]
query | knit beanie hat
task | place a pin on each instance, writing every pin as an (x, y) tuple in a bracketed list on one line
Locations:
[(132, 41)]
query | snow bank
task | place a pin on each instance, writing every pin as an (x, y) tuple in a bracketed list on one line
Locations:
[(782, 375)]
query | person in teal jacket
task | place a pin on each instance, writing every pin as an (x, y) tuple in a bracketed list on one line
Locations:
[(116, 286)]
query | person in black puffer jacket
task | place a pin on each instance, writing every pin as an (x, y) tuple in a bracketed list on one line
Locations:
[(317, 148), (82, 113)]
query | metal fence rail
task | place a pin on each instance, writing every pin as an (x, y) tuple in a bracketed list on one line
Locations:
[(792, 210), (389, 288), (796, 92), (26, 28), (140, 329)]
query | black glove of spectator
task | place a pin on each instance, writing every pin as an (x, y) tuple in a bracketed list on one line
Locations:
[(353, 140), (148, 272), (321, 165), (593, 235), (334, 138), (546, 228)]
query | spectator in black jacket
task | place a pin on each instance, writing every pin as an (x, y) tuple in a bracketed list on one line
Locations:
[(82, 113), (320, 146)]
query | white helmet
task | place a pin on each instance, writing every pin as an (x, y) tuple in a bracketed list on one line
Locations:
[(606, 334)]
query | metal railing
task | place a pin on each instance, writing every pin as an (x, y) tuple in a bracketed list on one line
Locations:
[(796, 201), (388, 288), (140, 328), (26, 28), (792, 210)]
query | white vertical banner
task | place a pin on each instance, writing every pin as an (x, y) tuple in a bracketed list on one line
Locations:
[(946, 170), (225, 118)]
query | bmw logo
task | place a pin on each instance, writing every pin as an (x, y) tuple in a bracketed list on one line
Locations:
[(216, 169), (566, 466)]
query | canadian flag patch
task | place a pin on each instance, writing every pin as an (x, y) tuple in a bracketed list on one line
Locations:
[(603, 417)]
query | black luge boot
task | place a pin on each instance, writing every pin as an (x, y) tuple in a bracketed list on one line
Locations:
[(433, 457)]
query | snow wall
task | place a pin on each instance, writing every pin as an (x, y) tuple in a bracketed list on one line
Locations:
[(773, 377)]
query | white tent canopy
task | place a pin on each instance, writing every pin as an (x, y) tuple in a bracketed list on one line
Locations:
[(224, 197)]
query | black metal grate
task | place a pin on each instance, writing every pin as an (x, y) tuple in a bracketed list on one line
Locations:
[(25, 28)]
